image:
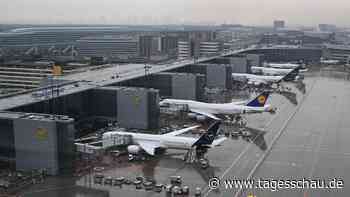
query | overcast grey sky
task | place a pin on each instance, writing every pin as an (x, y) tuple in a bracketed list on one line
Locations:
[(251, 12)]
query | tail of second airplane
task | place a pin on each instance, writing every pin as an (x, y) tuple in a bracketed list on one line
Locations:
[(208, 137), (292, 75), (260, 100)]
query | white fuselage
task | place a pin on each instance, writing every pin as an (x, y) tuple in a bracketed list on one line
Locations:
[(216, 108), (270, 71), (330, 62), (283, 66), (166, 142), (258, 78)]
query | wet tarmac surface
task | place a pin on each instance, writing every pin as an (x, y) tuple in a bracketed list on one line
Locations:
[(308, 137)]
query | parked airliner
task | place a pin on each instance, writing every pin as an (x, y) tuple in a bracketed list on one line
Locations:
[(211, 110), (150, 142), (270, 71), (257, 80)]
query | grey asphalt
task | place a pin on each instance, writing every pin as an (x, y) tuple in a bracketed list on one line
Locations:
[(307, 140)]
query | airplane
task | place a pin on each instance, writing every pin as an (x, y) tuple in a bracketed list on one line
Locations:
[(149, 143), (297, 67), (271, 75), (282, 65), (257, 79), (329, 62), (270, 71), (213, 110)]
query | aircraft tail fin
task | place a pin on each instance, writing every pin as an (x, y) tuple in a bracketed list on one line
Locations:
[(208, 137), (260, 100), (292, 75)]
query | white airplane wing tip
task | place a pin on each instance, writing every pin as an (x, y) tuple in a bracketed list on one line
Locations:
[(212, 116), (149, 148), (219, 141)]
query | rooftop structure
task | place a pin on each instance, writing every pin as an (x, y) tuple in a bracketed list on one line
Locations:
[(337, 52), (93, 78), (27, 75), (277, 24), (108, 46)]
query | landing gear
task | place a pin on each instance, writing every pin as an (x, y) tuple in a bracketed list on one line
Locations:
[(136, 157), (195, 154), (190, 156), (237, 121)]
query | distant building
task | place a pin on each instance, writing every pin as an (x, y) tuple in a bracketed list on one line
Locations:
[(198, 35), (38, 141), (341, 38), (152, 46), (209, 48), (184, 49), (337, 52), (278, 24), (327, 28), (26, 75), (225, 35), (108, 46), (197, 43), (194, 48), (288, 53), (317, 34), (188, 49), (168, 43), (294, 37), (145, 44), (22, 39), (269, 39)]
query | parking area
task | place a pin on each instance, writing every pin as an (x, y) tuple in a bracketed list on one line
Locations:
[(307, 139)]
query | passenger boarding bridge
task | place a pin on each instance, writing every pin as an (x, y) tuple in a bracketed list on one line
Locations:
[(90, 79)]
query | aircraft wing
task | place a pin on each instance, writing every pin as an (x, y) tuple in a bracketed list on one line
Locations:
[(239, 102), (257, 81), (181, 131), (205, 114), (218, 141), (149, 147), (290, 73)]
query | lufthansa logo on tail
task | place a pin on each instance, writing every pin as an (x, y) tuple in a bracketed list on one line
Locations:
[(41, 134), (137, 100), (261, 99)]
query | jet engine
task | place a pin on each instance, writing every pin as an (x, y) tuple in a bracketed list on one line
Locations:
[(200, 118), (134, 149), (192, 115), (258, 83)]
